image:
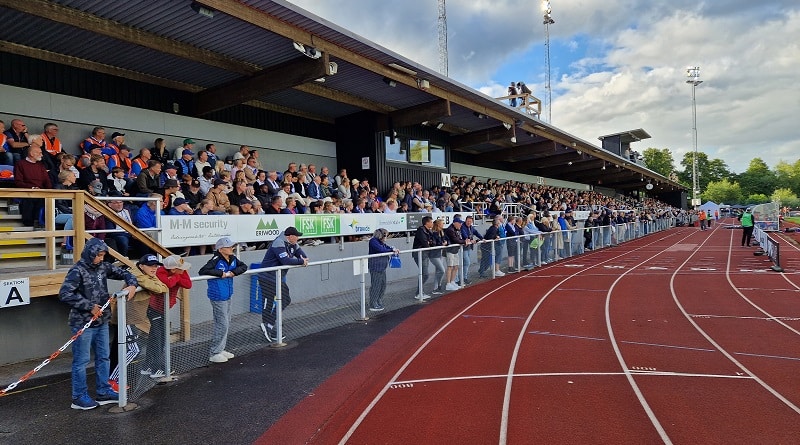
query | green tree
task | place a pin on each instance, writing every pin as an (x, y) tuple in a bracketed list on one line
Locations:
[(785, 197), (659, 160), (788, 176), (723, 191), (757, 198), (707, 170), (758, 179)]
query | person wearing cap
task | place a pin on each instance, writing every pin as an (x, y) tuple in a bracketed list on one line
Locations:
[(284, 251), (170, 171), (174, 274), (117, 139), (246, 207), (85, 291), (186, 163), (224, 265), (192, 193), (180, 207), (171, 191), (188, 144), (456, 239), (137, 319), (218, 194)]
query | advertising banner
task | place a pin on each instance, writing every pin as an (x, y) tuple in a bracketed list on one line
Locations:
[(199, 230)]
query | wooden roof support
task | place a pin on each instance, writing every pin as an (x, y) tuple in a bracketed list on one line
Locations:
[(479, 137), (430, 111), (279, 77), (109, 28), (524, 152)]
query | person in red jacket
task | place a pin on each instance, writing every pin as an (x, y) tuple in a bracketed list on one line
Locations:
[(30, 173), (174, 273)]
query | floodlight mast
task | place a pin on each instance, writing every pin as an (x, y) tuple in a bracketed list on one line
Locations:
[(693, 78), (548, 20)]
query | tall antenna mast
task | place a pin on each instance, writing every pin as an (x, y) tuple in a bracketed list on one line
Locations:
[(442, 38), (548, 20)]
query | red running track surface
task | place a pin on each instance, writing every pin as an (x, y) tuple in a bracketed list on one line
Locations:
[(679, 337)]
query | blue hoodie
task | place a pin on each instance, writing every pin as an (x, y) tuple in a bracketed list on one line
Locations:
[(221, 289), (86, 285), (281, 253)]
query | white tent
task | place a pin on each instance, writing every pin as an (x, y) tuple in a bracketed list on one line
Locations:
[(711, 208)]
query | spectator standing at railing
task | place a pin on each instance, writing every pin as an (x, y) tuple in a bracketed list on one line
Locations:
[(174, 274), (137, 320), (284, 251), (534, 241), (377, 268), (85, 290), (468, 233), (423, 238), (512, 91), (31, 173), (224, 265), (453, 254), (490, 252), (510, 228)]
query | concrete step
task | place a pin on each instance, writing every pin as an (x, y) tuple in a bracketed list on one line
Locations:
[(19, 242)]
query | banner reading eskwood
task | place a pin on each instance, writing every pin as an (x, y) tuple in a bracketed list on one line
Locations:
[(200, 230)]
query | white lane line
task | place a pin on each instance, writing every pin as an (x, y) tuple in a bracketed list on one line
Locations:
[(714, 343), (741, 317), (512, 365), (567, 374)]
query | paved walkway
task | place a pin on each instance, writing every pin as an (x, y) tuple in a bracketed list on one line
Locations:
[(234, 402)]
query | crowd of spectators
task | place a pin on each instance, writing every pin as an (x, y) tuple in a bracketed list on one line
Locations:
[(193, 180)]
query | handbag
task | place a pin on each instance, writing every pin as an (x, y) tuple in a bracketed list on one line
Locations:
[(536, 242), (394, 262)]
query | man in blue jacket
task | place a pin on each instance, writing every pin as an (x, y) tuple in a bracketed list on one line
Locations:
[(85, 290), (284, 251)]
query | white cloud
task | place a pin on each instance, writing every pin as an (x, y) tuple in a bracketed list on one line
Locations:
[(624, 67)]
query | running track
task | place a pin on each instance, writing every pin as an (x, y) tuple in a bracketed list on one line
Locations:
[(680, 337)]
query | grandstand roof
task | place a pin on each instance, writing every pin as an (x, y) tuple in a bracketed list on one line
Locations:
[(246, 54)]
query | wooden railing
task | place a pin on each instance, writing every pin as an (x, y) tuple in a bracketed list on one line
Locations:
[(47, 284), (529, 103)]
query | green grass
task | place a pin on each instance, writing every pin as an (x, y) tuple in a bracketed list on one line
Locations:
[(794, 219)]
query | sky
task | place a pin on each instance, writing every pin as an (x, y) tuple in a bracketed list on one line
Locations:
[(617, 65)]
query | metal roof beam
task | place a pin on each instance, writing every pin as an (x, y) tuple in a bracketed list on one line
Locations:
[(109, 28), (479, 137), (431, 112), (275, 78), (524, 152)]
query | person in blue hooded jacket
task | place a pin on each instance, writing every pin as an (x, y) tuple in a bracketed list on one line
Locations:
[(284, 251), (224, 265), (85, 290)]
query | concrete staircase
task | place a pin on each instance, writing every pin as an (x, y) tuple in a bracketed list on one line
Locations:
[(19, 253)]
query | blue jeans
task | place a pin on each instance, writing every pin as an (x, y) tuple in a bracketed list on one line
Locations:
[(222, 322), (97, 339), (466, 263)]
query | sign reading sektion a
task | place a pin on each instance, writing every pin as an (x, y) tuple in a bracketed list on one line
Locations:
[(199, 230)]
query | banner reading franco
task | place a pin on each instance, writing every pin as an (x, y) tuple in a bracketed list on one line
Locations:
[(199, 230)]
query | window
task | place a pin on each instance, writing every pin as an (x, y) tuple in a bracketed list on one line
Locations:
[(437, 156), (395, 152)]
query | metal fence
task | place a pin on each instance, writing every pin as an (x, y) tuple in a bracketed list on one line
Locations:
[(189, 327)]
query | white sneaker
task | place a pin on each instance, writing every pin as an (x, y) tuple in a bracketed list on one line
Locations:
[(318, 242), (218, 358), (227, 354), (499, 273), (451, 286)]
